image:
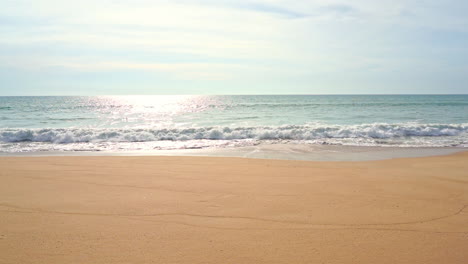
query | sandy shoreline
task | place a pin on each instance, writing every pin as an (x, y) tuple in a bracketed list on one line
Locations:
[(233, 210), (278, 151)]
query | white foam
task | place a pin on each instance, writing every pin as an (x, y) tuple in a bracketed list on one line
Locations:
[(403, 134)]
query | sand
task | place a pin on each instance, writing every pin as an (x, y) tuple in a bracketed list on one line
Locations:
[(233, 210)]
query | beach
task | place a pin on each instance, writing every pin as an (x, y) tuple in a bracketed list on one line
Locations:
[(234, 132), (165, 209)]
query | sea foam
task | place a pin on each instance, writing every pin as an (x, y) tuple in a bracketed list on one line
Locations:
[(290, 132)]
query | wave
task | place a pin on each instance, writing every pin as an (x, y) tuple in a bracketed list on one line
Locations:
[(267, 105), (291, 132), (335, 104)]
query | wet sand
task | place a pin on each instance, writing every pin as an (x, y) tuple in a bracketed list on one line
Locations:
[(233, 210), (280, 151)]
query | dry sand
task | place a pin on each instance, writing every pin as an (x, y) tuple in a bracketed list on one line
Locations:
[(233, 210)]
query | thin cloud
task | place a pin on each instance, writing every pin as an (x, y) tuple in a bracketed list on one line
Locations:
[(271, 9), (339, 8), (252, 6), (183, 71)]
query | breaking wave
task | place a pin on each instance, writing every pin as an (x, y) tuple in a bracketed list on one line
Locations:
[(291, 132)]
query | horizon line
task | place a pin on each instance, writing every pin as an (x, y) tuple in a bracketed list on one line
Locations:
[(231, 94)]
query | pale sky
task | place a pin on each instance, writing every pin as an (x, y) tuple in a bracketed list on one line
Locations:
[(91, 47)]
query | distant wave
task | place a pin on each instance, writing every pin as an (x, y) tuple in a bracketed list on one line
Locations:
[(335, 104), (237, 105), (308, 132)]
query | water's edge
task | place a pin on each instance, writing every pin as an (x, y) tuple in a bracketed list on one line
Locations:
[(271, 151)]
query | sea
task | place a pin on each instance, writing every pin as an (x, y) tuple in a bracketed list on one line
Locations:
[(151, 123)]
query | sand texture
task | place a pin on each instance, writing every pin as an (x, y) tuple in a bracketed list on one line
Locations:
[(233, 210)]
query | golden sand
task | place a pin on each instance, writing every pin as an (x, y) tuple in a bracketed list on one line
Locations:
[(233, 210)]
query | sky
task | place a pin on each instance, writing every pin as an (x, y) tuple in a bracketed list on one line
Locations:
[(111, 47)]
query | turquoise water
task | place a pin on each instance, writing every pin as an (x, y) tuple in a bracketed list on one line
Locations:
[(120, 123)]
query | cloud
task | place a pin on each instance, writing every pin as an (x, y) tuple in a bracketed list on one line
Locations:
[(175, 70), (188, 71), (15, 21), (270, 9), (339, 8)]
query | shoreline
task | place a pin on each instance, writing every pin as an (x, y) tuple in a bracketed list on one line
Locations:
[(281, 151)]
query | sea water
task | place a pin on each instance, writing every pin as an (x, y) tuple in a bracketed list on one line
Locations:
[(134, 123)]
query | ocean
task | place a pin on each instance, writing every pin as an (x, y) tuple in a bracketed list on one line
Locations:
[(151, 123)]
